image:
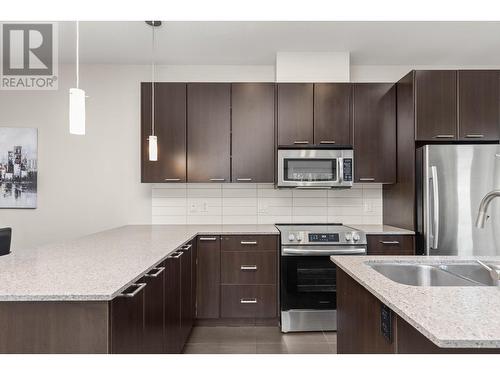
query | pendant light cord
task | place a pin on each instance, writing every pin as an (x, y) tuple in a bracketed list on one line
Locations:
[(153, 82), (77, 54)]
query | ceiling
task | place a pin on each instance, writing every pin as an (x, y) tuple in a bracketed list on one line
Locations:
[(241, 43)]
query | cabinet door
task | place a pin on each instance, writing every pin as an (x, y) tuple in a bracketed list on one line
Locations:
[(154, 314), (186, 293), (479, 103), (332, 111), (208, 278), (170, 128), (173, 342), (436, 104), (209, 132), (295, 113), (127, 320), (252, 113), (375, 132)]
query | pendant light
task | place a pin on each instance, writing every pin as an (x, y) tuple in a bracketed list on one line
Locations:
[(152, 139), (77, 96)]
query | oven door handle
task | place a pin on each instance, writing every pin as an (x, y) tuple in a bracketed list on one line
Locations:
[(340, 251)]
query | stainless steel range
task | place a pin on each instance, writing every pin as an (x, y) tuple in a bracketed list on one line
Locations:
[(308, 290)]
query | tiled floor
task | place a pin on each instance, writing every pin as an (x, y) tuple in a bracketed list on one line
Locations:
[(258, 340)]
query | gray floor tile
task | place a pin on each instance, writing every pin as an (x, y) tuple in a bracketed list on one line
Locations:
[(304, 337), (331, 337), (220, 349), (268, 335), (310, 348), (266, 348), (223, 335)]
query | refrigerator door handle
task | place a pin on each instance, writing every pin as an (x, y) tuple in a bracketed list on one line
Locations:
[(435, 208)]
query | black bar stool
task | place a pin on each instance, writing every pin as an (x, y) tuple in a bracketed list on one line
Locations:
[(5, 236)]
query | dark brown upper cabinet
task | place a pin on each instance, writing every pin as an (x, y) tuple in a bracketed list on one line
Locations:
[(436, 105), (295, 113), (332, 110), (170, 128), (253, 132), (479, 104), (209, 132), (374, 136)]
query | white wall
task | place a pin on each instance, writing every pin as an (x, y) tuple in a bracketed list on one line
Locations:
[(262, 204), (312, 67)]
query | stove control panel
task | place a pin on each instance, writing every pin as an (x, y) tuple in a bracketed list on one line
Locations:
[(323, 237)]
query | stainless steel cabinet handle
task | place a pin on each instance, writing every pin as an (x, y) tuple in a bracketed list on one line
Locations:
[(327, 142), (367, 179), (300, 142), (248, 300), (243, 179), (474, 136), (435, 208), (208, 238), (172, 179), (390, 242), (217, 179), (248, 242), (187, 247), (138, 288), (444, 136), (158, 272), (175, 255), (248, 268)]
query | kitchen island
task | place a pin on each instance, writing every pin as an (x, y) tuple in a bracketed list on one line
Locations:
[(379, 315)]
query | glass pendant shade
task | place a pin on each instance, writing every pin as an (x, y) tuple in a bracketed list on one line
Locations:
[(76, 111), (153, 148)]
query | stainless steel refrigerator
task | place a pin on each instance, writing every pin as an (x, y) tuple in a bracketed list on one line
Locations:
[(451, 181)]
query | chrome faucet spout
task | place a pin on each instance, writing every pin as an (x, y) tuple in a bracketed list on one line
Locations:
[(483, 207)]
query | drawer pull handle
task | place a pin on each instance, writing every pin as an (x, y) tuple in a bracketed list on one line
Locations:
[(158, 272), (301, 142), (248, 242), (175, 255), (474, 136), (217, 179), (367, 179), (186, 247), (327, 142), (208, 238), (138, 288), (248, 300), (389, 242), (243, 179), (248, 268), (172, 179), (444, 136)]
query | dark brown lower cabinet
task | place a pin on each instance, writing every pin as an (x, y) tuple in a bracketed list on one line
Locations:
[(154, 314), (186, 293), (390, 245), (359, 326), (248, 301), (127, 320), (208, 278), (173, 342)]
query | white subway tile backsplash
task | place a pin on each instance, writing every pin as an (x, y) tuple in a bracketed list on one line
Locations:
[(214, 203)]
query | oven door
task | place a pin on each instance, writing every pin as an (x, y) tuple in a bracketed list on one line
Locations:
[(314, 168), (308, 282)]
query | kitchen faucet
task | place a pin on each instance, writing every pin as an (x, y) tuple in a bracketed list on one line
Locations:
[(494, 273), (483, 207)]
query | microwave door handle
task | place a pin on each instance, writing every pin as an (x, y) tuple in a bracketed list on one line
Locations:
[(340, 170), (435, 208)]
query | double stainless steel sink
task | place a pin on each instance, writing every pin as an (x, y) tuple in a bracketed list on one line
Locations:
[(443, 274)]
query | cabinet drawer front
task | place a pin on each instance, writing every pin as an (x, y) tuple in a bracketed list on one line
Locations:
[(249, 301), (245, 267), (249, 243), (390, 245)]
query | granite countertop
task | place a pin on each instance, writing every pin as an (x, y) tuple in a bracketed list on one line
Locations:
[(381, 229), (99, 266), (451, 317)]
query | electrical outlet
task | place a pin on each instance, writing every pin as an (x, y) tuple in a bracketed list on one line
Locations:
[(368, 207), (193, 208), (262, 209), (204, 207)]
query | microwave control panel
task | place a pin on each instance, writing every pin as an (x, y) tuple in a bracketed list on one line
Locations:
[(347, 168)]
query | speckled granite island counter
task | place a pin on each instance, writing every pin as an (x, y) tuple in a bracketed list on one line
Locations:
[(419, 319), (133, 289)]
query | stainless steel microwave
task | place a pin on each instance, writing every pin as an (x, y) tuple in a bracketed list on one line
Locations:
[(315, 167)]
